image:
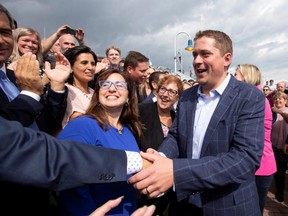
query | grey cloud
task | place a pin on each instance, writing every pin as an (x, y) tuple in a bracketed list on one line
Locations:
[(258, 28)]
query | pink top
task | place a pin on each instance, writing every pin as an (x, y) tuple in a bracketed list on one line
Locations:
[(77, 101), (268, 163)]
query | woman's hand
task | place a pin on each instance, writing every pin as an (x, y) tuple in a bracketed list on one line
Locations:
[(106, 207)]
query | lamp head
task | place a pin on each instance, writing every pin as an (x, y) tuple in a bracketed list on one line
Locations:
[(190, 45)]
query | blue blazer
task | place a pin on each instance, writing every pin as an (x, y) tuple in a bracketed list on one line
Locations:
[(35, 158), (231, 152)]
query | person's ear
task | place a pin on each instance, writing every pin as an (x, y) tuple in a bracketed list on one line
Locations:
[(129, 69), (154, 85)]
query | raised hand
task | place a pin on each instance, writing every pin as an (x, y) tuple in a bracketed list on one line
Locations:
[(60, 73), (80, 36), (155, 179), (27, 74)]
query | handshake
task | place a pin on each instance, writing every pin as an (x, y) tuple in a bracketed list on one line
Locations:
[(156, 176)]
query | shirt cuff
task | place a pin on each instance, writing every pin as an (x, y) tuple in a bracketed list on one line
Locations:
[(134, 162), (31, 94)]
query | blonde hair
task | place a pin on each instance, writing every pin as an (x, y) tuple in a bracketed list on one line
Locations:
[(279, 94), (250, 73), (23, 31)]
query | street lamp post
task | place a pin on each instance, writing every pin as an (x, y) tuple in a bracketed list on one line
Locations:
[(188, 48)]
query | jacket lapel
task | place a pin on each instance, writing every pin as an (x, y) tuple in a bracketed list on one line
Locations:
[(227, 98)]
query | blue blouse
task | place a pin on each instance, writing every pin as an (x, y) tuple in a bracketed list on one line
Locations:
[(84, 200)]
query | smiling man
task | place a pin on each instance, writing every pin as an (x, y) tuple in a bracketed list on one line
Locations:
[(113, 55), (216, 141), (136, 65)]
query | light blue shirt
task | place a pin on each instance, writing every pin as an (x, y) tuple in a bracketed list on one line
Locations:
[(28, 93), (204, 111)]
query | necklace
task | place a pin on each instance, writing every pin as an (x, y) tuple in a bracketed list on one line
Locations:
[(87, 95), (120, 129)]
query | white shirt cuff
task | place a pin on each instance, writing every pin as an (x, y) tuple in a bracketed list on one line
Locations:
[(31, 94), (134, 162)]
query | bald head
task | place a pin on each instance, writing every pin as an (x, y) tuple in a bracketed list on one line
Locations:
[(281, 86), (66, 41)]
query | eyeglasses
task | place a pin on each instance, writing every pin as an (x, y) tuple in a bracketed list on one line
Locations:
[(119, 85), (171, 92), (265, 89)]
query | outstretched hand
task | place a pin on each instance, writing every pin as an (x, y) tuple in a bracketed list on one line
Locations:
[(155, 179), (106, 207)]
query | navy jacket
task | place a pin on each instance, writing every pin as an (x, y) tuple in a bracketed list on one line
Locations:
[(231, 152)]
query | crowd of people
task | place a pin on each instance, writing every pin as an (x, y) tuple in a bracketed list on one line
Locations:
[(90, 135)]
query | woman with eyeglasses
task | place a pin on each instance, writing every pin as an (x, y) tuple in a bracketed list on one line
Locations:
[(157, 119), (111, 121)]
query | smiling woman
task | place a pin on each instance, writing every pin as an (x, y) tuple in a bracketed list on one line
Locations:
[(111, 121), (83, 63), (157, 118), (25, 40)]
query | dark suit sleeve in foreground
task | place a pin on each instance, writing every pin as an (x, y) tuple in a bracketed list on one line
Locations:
[(35, 158), (51, 116), (23, 109)]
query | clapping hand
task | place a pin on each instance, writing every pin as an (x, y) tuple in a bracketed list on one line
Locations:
[(59, 74), (27, 74)]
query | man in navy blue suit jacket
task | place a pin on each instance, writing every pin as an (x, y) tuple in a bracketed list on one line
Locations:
[(216, 141)]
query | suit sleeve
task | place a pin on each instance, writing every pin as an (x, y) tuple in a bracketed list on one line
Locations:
[(53, 113), (23, 109), (35, 158)]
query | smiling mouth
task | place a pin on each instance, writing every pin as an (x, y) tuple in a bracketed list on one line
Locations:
[(201, 70), (112, 97), (89, 74), (164, 100)]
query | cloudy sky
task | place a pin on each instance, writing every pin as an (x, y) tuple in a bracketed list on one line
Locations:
[(259, 28)]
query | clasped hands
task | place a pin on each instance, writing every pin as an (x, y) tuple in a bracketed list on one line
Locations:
[(156, 177)]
